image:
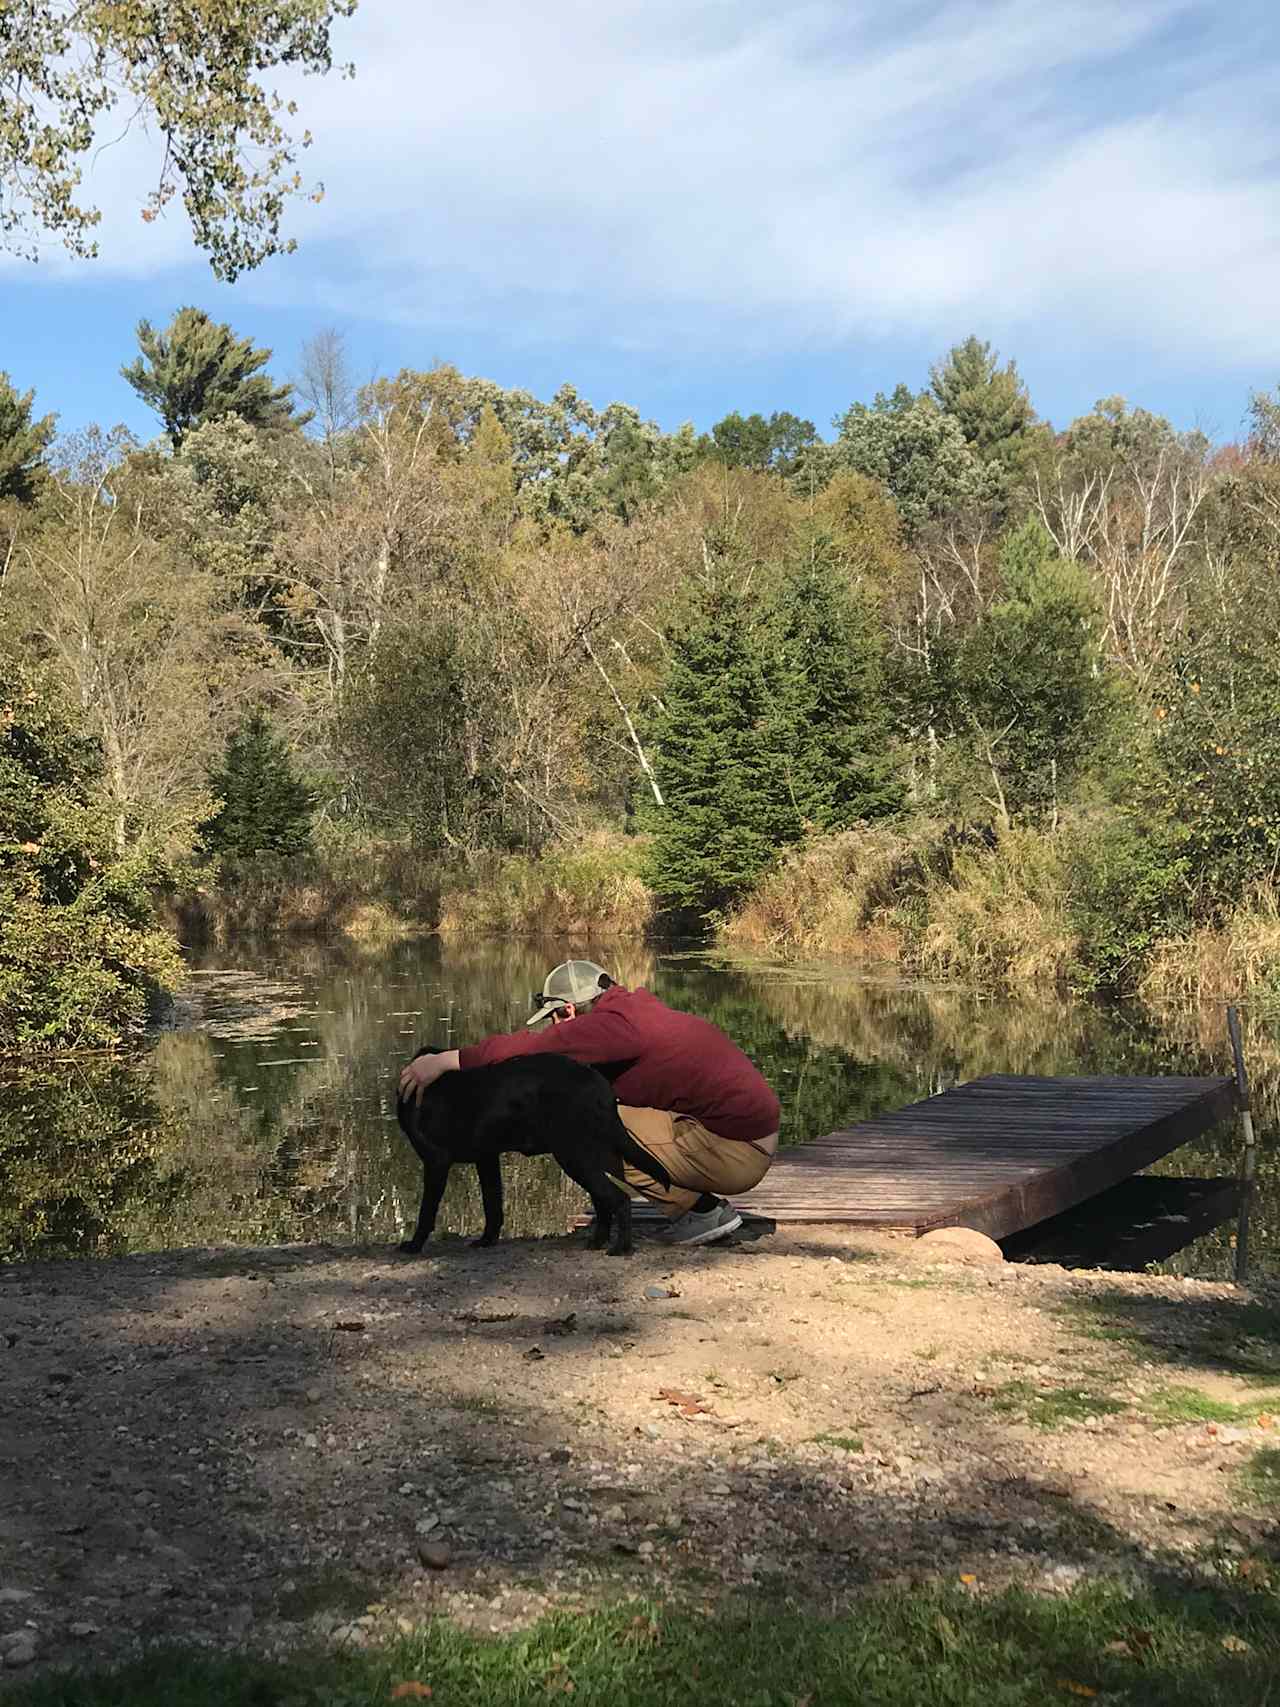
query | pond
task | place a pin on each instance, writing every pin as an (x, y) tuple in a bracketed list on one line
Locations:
[(267, 1112)]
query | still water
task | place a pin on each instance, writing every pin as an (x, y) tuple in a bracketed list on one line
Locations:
[(267, 1112)]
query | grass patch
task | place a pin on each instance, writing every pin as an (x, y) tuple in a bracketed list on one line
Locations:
[(845, 1442), (1242, 1340), (1260, 1477), (1053, 1407), (1163, 1648), (1189, 1404)]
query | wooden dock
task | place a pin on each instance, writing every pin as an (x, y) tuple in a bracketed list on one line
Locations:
[(1000, 1154)]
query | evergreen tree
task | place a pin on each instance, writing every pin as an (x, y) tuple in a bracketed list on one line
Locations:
[(989, 403), (830, 723), (23, 443), (727, 813), (1029, 683), (197, 370), (266, 807)]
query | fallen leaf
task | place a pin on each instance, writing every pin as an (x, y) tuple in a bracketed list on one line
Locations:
[(1073, 1688), (1120, 1648), (348, 1327), (689, 1404), (1235, 1645), (411, 1691), (1266, 1420), (562, 1325), (967, 1577), (1141, 1638), (535, 1354)]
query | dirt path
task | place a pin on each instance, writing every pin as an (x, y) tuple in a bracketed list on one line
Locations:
[(260, 1445)]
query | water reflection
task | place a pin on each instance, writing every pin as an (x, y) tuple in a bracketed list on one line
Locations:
[(268, 1114)]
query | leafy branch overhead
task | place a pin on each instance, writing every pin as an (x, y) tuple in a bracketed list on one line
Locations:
[(74, 76)]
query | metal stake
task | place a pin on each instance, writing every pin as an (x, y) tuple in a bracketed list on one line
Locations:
[(1248, 1165)]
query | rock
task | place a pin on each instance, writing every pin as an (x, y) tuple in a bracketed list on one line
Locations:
[(957, 1244), (661, 1292), (425, 1525), (21, 1650), (84, 1628), (560, 1455), (12, 1596), (435, 1555)]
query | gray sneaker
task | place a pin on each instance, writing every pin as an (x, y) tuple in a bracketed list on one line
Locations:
[(694, 1229)]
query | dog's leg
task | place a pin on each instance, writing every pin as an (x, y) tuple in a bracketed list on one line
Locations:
[(435, 1176), (612, 1205), (490, 1172)]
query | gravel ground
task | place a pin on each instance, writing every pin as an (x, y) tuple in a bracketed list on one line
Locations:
[(264, 1446)]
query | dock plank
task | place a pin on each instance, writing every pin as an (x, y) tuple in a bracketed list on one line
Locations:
[(1000, 1154)]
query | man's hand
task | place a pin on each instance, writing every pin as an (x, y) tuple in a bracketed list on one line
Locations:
[(422, 1073)]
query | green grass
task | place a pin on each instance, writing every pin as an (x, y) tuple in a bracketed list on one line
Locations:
[(1237, 1339), (923, 1649), (1189, 1404), (1260, 1477), (846, 1442), (1054, 1407)]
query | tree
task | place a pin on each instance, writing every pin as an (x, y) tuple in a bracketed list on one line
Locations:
[(829, 724), (23, 443), (1029, 681), (191, 73), (197, 370), (80, 955), (726, 814), (988, 402), (749, 441), (145, 644), (266, 807), (917, 451)]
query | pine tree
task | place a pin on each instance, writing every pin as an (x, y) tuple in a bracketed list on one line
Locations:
[(197, 370), (727, 813), (830, 723), (23, 443), (988, 402), (1030, 686), (266, 807)]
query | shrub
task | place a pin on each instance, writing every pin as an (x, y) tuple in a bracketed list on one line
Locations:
[(1127, 891), (81, 957)]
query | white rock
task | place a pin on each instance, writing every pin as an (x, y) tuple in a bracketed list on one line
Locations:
[(957, 1244)]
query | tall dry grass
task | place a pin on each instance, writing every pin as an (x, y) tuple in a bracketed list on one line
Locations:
[(1221, 962), (835, 895), (370, 892), (589, 890), (1000, 915)]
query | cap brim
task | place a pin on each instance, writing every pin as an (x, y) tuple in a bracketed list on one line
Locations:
[(544, 1012)]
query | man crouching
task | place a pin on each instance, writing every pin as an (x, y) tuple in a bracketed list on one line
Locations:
[(686, 1093)]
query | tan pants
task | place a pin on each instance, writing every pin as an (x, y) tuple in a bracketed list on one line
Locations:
[(696, 1159)]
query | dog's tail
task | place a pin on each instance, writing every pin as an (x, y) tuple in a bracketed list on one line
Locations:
[(640, 1158)]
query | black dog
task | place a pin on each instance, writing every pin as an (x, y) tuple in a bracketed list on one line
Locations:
[(539, 1105)]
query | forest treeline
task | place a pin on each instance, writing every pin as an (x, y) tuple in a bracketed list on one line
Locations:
[(949, 685)]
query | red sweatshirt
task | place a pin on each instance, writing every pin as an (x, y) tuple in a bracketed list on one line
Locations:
[(655, 1057)]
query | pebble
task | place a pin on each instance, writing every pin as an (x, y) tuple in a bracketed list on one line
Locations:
[(435, 1555), (425, 1525), (20, 1649), (84, 1628)]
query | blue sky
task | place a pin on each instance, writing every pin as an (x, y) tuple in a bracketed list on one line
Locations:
[(702, 205)]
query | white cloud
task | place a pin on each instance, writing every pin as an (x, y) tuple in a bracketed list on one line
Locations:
[(723, 170)]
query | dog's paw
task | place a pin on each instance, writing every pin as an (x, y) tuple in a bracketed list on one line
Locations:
[(409, 1248)]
